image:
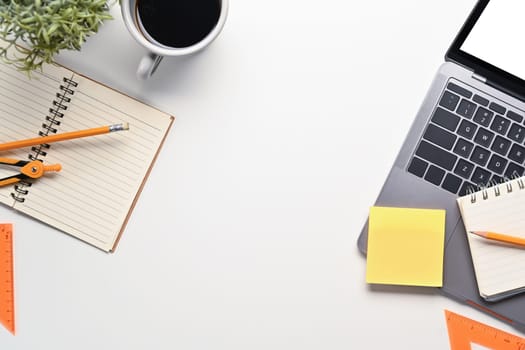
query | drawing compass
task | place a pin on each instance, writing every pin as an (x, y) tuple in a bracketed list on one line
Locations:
[(28, 170)]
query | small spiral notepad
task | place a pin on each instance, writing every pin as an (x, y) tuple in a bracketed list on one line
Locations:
[(499, 267)]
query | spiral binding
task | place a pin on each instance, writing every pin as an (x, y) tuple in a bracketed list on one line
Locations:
[(495, 188), (52, 120)]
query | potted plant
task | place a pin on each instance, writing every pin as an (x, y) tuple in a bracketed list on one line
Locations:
[(44, 27)]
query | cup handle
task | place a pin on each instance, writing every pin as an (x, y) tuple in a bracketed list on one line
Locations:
[(147, 66)]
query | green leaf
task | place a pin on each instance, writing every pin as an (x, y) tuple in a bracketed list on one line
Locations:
[(48, 26)]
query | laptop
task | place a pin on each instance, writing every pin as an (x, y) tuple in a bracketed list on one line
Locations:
[(468, 132)]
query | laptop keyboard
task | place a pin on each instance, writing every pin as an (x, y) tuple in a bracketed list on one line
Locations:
[(471, 140)]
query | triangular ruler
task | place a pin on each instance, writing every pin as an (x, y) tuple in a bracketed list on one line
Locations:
[(7, 301), (464, 333)]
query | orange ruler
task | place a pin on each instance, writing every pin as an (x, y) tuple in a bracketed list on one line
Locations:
[(463, 332), (7, 301)]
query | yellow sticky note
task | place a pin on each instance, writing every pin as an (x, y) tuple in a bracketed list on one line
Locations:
[(405, 246)]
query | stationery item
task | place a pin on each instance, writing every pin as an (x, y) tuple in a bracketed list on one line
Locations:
[(172, 27), (63, 136), (500, 237), (28, 170), (405, 246), (7, 295), (464, 332), (102, 177), (498, 266)]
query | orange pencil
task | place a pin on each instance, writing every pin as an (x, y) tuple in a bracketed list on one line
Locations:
[(500, 237), (63, 136)]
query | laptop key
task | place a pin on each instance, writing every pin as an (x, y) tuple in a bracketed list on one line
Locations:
[(439, 136), (500, 125), (517, 153), (501, 145), (517, 133), (467, 187), (481, 100), (436, 155), (514, 170), (463, 148), (449, 100), (497, 179), (483, 116), (515, 116), (451, 183), (417, 167), (497, 164), (481, 176), (445, 119), (435, 175), (459, 90), (484, 137), (466, 108), (480, 156), (464, 169), (497, 108), (467, 129)]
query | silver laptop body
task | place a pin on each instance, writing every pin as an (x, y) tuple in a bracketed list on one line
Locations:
[(463, 90)]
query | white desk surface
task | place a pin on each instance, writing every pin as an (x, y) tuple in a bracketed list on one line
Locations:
[(245, 234)]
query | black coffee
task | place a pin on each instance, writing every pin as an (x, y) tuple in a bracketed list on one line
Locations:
[(178, 23)]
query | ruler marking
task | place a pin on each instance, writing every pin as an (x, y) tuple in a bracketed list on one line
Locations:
[(7, 316), (464, 331)]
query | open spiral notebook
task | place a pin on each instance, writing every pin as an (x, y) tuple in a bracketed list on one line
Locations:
[(499, 267), (102, 176)]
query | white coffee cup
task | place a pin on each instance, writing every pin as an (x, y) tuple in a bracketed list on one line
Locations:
[(148, 64)]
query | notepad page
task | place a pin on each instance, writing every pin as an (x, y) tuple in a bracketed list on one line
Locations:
[(499, 267), (24, 104), (102, 176)]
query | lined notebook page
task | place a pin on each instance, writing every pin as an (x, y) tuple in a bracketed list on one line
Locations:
[(499, 267), (101, 177), (24, 105)]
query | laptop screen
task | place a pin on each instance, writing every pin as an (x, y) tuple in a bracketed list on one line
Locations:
[(492, 43)]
